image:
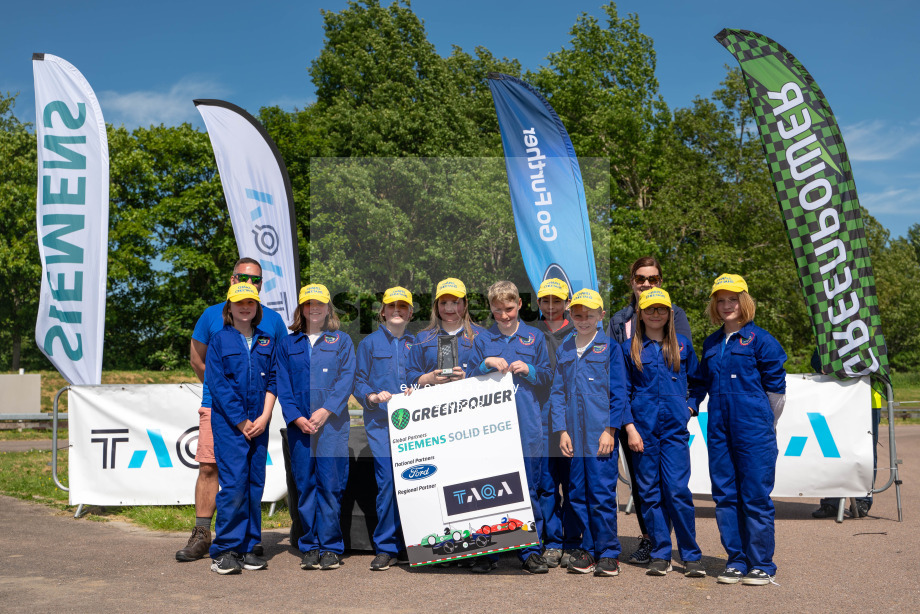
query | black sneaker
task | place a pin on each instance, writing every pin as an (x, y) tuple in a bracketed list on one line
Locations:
[(330, 560), (730, 576), (253, 563), (607, 566), (483, 564), (226, 563), (382, 562), (565, 559), (552, 556), (694, 569), (258, 550), (825, 511), (658, 567), (581, 562), (402, 558), (756, 577), (862, 509), (310, 560), (535, 564), (643, 554)]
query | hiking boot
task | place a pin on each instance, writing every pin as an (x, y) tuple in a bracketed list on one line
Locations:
[(253, 563), (197, 546), (730, 576), (310, 560), (552, 556), (658, 567), (226, 563), (483, 564), (694, 569), (643, 554), (382, 562), (825, 511), (330, 560), (757, 577), (581, 562), (607, 566), (535, 564)]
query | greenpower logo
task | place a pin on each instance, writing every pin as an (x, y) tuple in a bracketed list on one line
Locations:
[(400, 418)]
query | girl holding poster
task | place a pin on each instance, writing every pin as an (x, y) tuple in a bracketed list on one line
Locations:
[(742, 371), (241, 378), (657, 363), (450, 316), (382, 358), (316, 372)]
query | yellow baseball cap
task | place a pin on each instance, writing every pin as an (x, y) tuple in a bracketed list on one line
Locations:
[(654, 296), (553, 287), (242, 291), (589, 298), (451, 285), (732, 283), (313, 292), (397, 293)]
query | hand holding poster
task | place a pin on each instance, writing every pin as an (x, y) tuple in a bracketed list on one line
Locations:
[(459, 470)]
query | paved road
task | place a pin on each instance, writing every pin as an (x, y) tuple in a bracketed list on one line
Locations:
[(51, 562)]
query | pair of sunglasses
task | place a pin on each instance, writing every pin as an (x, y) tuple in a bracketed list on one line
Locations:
[(249, 279), (655, 280)]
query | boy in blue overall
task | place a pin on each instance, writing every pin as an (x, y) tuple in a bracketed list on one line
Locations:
[(510, 346), (588, 400)]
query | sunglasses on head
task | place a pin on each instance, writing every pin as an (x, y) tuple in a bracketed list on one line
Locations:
[(254, 279), (661, 309), (652, 279)]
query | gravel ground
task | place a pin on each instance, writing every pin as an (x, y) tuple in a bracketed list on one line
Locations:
[(52, 562)]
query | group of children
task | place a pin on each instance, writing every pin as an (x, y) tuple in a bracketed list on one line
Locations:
[(576, 388)]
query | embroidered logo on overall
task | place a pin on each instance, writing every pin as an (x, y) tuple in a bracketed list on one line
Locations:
[(748, 340), (527, 340), (263, 341), (408, 345), (330, 338), (599, 348), (681, 349), (470, 337)]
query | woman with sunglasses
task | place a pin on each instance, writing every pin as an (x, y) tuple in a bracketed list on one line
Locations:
[(644, 274), (658, 361)]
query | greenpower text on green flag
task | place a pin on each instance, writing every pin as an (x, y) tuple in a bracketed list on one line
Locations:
[(814, 186)]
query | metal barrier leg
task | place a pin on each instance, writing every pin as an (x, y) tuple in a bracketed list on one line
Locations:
[(271, 510), (840, 505), (894, 461), (630, 503), (79, 511), (54, 438)]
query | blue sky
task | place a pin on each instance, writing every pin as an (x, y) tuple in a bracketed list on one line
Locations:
[(147, 61)]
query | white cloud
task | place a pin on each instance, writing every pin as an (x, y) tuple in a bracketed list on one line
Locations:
[(170, 107), (876, 140), (892, 201)]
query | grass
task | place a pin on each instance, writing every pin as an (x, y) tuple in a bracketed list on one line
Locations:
[(52, 382), (27, 476), (30, 434)]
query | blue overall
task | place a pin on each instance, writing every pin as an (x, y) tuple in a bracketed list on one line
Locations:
[(742, 440), (382, 362), (239, 377), (588, 396), (660, 408), (424, 355), (558, 519), (528, 345), (310, 378)]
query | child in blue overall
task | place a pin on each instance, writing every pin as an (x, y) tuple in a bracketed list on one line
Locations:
[(382, 358), (316, 374), (241, 377), (658, 361), (511, 346), (588, 401), (742, 371), (558, 529), (450, 315)]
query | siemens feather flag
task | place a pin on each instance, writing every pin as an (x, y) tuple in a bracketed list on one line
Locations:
[(547, 195), (72, 217), (259, 195), (814, 185)]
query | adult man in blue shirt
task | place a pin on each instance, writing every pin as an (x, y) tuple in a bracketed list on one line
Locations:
[(211, 321)]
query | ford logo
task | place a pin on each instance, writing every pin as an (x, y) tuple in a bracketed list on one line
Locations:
[(419, 472)]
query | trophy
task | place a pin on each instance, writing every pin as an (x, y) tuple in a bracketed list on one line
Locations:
[(448, 354)]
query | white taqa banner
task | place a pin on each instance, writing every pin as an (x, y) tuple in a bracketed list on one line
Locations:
[(459, 470), (824, 438), (72, 217), (135, 445), (260, 199)]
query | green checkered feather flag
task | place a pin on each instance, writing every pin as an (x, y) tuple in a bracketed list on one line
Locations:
[(816, 193)]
